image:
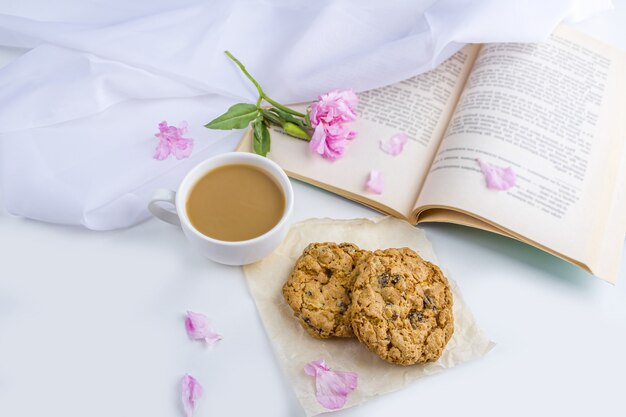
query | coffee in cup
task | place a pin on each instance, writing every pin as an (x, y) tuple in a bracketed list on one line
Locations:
[(233, 208), (235, 202)]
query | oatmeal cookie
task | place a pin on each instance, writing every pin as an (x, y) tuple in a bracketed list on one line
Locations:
[(320, 286), (401, 307)]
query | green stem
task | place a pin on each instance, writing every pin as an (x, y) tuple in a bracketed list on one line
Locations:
[(262, 94), (245, 71), (283, 108)]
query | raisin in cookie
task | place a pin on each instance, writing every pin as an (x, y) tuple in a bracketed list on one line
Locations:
[(318, 290), (401, 307)]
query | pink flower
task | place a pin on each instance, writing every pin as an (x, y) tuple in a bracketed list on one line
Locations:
[(497, 178), (200, 328), (394, 144), (375, 182), (331, 140), (337, 106), (171, 141), (191, 391), (328, 115), (331, 387)]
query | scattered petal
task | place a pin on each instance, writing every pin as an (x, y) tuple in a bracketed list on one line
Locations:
[(375, 182), (191, 391), (497, 178), (200, 328), (394, 144), (331, 387), (172, 142)]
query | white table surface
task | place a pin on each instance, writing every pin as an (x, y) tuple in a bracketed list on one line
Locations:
[(91, 323)]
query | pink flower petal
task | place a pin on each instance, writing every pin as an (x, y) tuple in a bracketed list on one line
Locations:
[(162, 151), (337, 106), (328, 117), (318, 140), (191, 391), (172, 142), (497, 178), (331, 387), (200, 328), (182, 148), (329, 141), (376, 182), (394, 144)]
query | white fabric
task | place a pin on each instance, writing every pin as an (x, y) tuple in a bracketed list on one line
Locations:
[(80, 108)]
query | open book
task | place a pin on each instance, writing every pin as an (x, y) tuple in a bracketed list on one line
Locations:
[(553, 112)]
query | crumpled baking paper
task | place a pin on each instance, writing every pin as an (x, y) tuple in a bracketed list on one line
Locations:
[(294, 347)]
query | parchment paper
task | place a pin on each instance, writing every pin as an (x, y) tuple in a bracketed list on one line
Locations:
[(294, 347)]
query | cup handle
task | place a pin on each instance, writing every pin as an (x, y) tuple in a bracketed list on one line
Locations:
[(164, 196)]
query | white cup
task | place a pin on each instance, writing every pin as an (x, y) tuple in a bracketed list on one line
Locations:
[(225, 252)]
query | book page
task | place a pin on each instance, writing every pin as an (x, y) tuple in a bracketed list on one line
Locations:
[(420, 107), (552, 112)]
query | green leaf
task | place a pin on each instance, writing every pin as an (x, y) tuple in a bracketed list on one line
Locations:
[(272, 117), (238, 116), (288, 117), (261, 143)]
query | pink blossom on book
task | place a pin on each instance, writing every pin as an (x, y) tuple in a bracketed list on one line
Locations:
[(200, 328), (331, 387), (172, 142), (328, 117), (330, 141), (322, 125), (191, 391), (395, 144), (337, 106), (497, 178), (375, 182)]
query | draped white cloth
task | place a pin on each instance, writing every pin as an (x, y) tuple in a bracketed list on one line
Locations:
[(79, 109)]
